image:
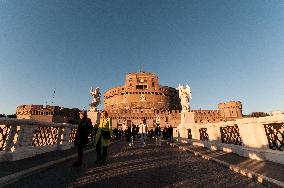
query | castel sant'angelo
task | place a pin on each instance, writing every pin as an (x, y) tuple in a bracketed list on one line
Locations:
[(142, 98)]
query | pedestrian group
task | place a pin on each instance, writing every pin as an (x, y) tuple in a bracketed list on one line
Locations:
[(101, 134)]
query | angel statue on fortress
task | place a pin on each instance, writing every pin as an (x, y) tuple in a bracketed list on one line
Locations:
[(95, 93), (185, 97)]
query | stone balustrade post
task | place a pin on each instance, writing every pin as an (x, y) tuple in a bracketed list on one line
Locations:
[(212, 131), (10, 142), (195, 132), (19, 137), (63, 138), (20, 143), (26, 135), (252, 133)]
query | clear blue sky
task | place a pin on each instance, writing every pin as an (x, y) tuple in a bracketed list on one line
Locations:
[(225, 50)]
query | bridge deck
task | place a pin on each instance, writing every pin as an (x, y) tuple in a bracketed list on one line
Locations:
[(138, 167), (266, 168)]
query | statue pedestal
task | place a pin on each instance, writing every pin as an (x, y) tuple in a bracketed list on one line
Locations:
[(186, 120), (187, 117), (94, 116)]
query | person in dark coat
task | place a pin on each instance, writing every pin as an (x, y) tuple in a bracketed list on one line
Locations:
[(171, 131), (81, 138), (158, 135), (128, 134)]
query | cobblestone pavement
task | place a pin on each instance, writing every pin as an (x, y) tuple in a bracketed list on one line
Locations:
[(139, 167)]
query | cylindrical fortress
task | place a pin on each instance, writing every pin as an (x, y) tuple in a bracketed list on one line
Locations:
[(141, 97), (141, 92)]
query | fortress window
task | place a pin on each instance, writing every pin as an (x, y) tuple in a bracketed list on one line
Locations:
[(141, 86)]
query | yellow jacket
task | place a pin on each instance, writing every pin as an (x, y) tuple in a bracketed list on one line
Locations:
[(105, 125)]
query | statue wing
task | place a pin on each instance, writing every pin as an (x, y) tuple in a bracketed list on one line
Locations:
[(188, 90)]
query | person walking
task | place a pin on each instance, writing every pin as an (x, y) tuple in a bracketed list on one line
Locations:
[(132, 134), (171, 131), (143, 132), (81, 138), (128, 134), (158, 135), (103, 137)]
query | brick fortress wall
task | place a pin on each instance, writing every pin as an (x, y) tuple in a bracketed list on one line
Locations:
[(143, 98), (226, 111), (54, 114)]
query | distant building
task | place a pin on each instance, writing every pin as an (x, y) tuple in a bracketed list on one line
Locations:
[(226, 111), (54, 114)]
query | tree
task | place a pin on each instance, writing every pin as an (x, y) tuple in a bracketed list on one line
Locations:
[(2, 115), (258, 114), (12, 116)]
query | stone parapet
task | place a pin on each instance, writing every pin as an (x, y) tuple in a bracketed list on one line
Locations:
[(257, 138), (25, 138)]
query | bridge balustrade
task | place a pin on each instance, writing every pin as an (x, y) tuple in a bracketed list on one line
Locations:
[(21, 138), (257, 138)]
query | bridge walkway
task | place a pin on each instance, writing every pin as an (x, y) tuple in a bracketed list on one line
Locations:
[(150, 166)]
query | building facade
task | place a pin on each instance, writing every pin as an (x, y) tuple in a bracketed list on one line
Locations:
[(48, 113), (226, 112)]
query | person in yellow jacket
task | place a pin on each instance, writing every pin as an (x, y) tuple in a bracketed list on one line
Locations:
[(103, 137)]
